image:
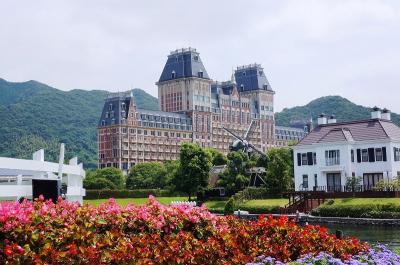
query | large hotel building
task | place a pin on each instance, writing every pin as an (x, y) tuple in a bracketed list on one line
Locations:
[(194, 108)]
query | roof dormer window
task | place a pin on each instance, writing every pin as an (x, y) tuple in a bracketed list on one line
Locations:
[(103, 123), (196, 58), (200, 74), (241, 87), (173, 74), (110, 107), (123, 106), (244, 73)]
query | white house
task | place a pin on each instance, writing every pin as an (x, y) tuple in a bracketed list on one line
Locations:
[(333, 151)]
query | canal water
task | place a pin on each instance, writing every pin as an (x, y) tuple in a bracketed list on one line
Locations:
[(371, 234)]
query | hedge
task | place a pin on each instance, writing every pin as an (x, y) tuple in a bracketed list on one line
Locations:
[(139, 193), (382, 211)]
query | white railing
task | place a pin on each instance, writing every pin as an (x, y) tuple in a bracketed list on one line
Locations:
[(332, 161), (187, 203)]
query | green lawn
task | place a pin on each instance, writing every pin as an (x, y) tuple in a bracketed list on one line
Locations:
[(253, 206), (126, 201), (266, 202), (216, 206), (265, 206), (366, 201)]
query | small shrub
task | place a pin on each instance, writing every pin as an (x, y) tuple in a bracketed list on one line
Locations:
[(229, 206), (330, 202)]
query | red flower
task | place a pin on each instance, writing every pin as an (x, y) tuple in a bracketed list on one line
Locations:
[(72, 249), (8, 251)]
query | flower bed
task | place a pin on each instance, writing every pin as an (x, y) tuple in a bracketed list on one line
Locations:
[(66, 233), (379, 255)]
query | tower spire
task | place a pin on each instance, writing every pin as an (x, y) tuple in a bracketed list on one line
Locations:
[(233, 79)]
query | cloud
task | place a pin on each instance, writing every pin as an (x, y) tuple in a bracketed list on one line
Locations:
[(310, 48)]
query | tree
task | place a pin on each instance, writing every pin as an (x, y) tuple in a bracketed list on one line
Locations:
[(172, 169), (194, 169), (217, 158), (105, 178), (92, 183), (352, 182), (148, 175), (234, 178), (279, 170)]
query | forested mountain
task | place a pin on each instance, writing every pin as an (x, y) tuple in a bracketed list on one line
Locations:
[(343, 109), (34, 115)]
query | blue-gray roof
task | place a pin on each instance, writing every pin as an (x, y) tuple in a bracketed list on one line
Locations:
[(116, 108), (183, 63), (225, 87), (251, 77)]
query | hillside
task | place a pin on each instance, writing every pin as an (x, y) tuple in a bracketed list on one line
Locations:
[(343, 109), (34, 115)]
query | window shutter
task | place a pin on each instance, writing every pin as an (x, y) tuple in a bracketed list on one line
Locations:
[(298, 159), (309, 158), (384, 153), (371, 154), (358, 156)]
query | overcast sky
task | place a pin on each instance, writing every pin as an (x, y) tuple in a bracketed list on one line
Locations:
[(308, 48)]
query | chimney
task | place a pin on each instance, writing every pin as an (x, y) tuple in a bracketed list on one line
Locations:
[(322, 119), (332, 119), (386, 114), (376, 113)]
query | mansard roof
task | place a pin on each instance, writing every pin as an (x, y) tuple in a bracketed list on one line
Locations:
[(251, 77), (183, 63), (116, 108), (355, 131)]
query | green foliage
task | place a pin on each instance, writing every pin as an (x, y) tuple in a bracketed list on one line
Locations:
[(172, 169), (35, 116), (139, 193), (391, 184), (234, 178), (397, 250), (353, 182), (368, 209), (148, 175), (342, 108), (105, 178), (261, 209), (257, 193), (194, 169), (229, 206), (217, 158), (93, 183), (280, 170)]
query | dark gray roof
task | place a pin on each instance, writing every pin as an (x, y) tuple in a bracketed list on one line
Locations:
[(364, 130), (183, 63), (251, 77), (116, 108)]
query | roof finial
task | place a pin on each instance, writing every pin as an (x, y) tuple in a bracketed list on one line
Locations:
[(233, 79)]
